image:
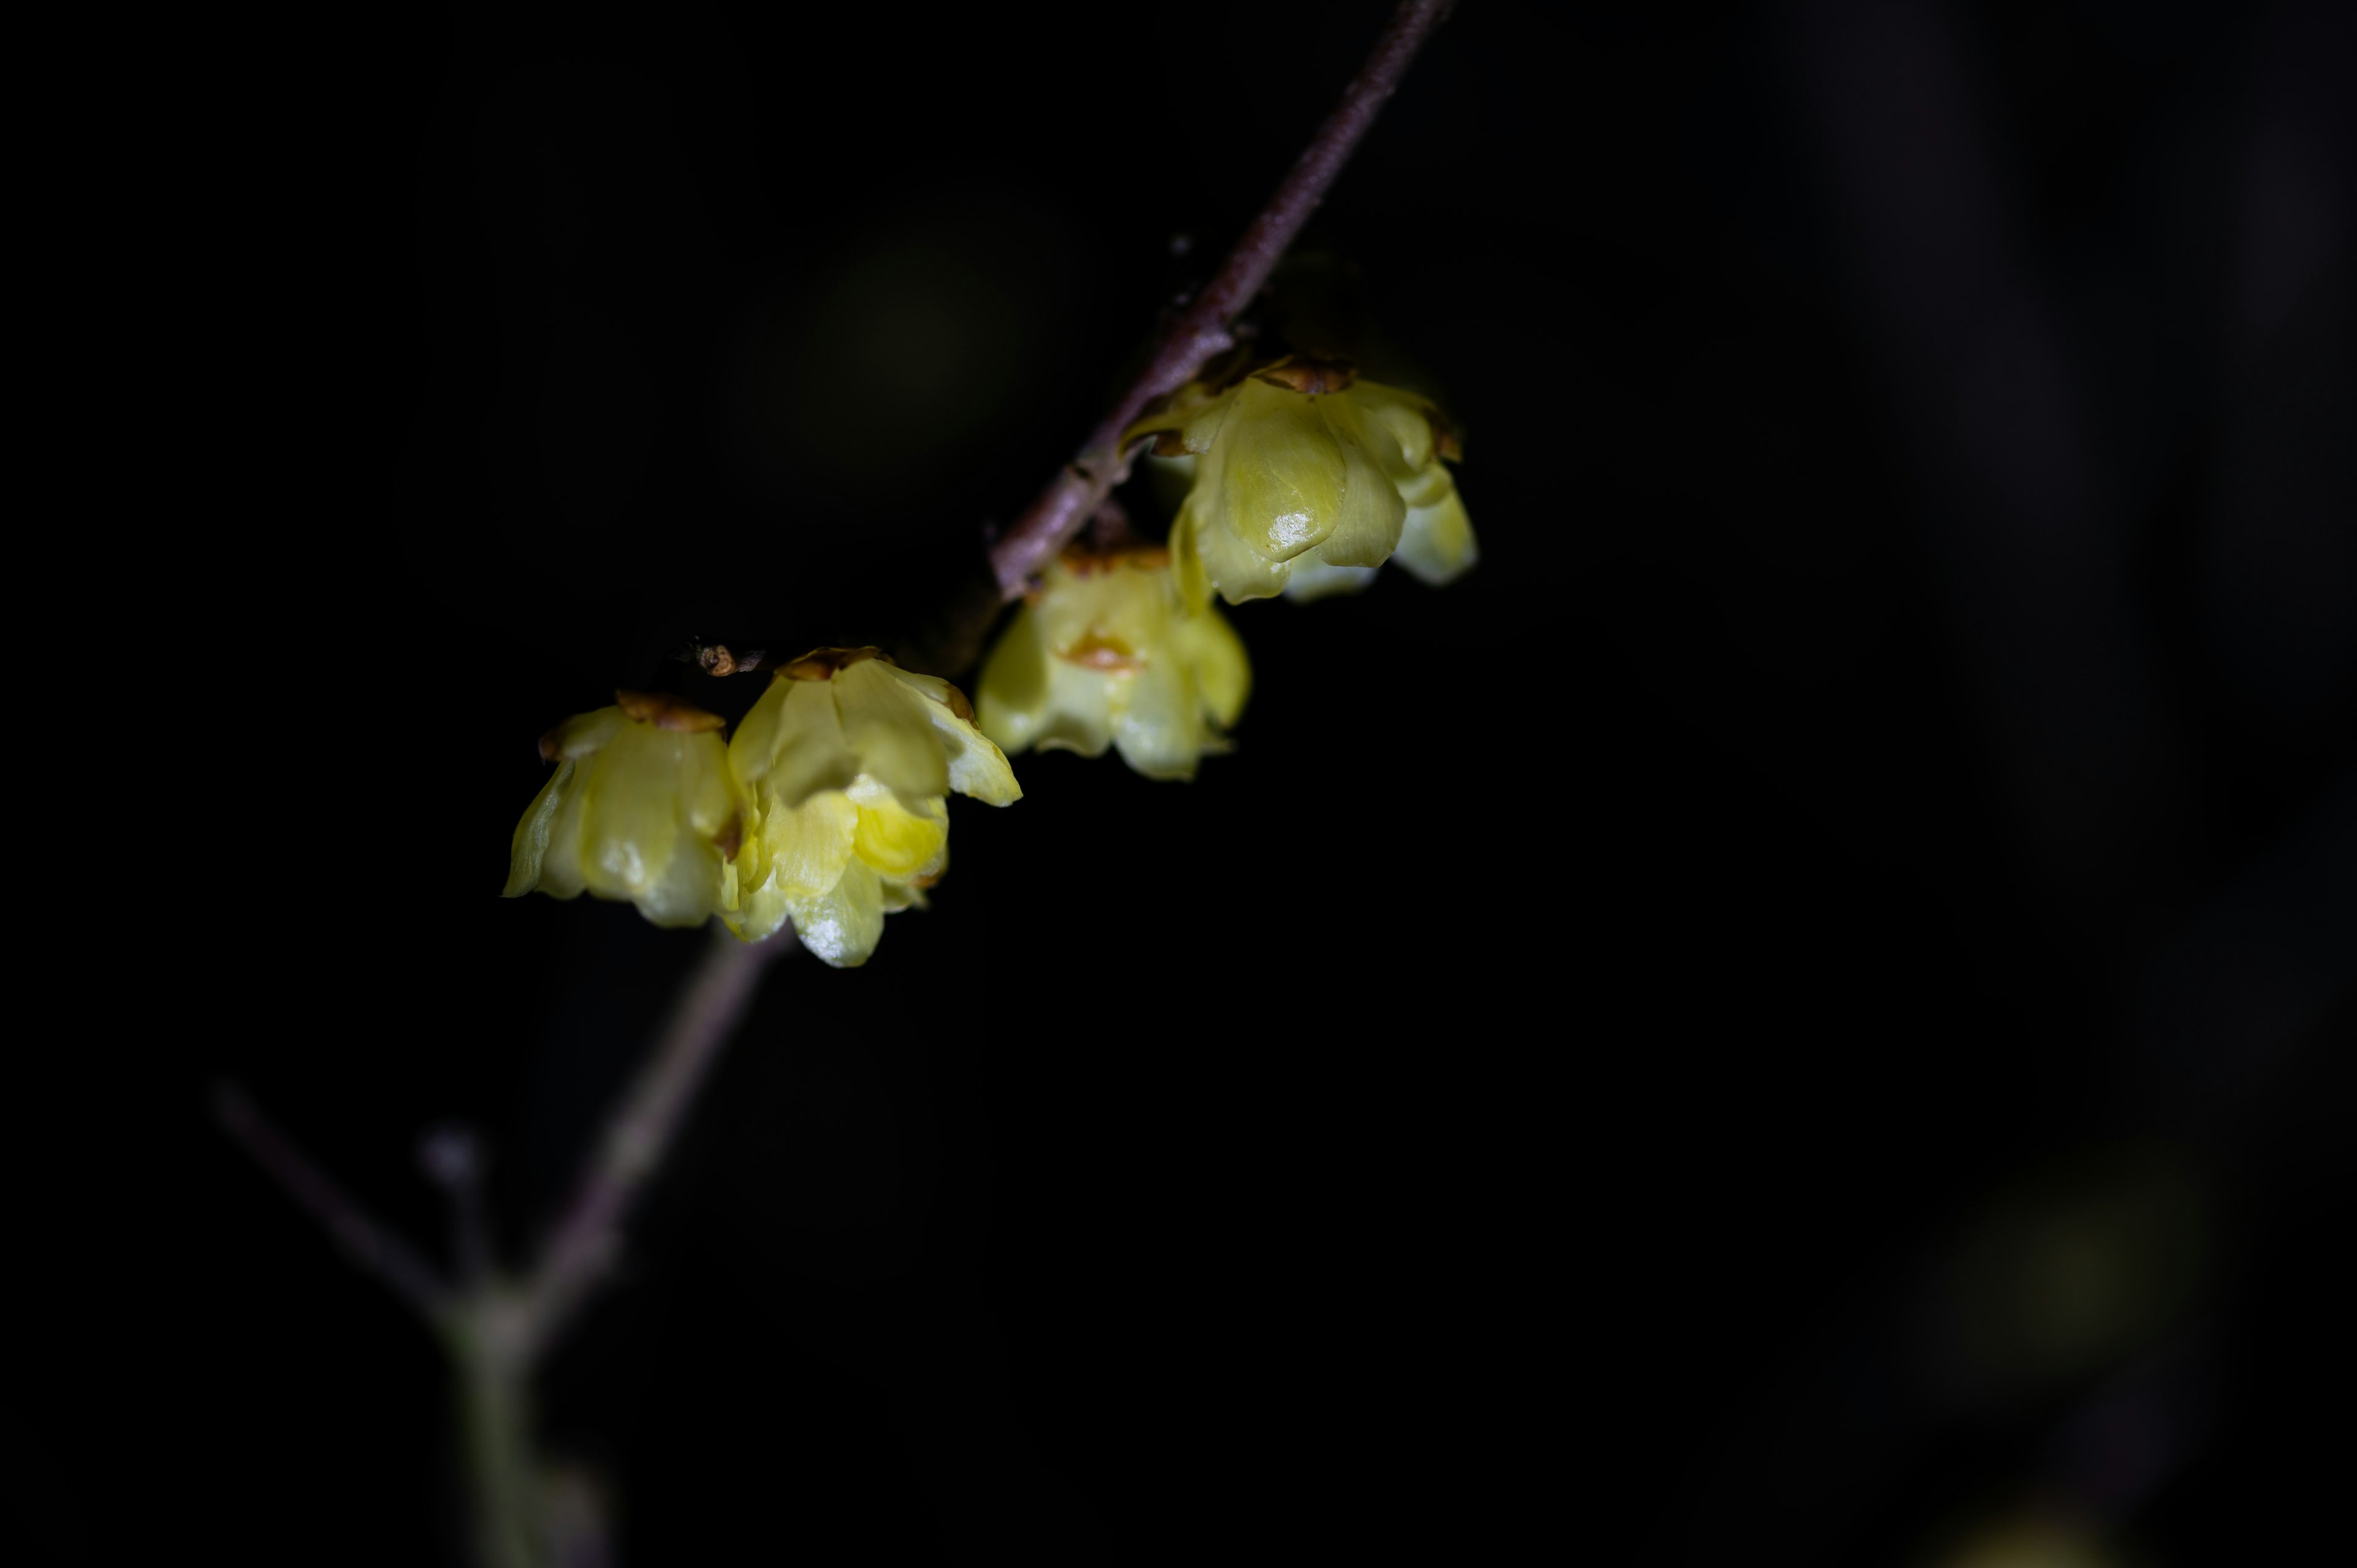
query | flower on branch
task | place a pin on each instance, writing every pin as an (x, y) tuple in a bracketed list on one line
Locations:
[(849, 761), (1308, 479), (643, 806), (1103, 651)]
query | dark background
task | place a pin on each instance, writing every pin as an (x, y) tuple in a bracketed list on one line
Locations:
[(1797, 1013)]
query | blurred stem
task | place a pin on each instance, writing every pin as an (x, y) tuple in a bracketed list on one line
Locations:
[(1201, 330), (639, 1133), (498, 1331), (495, 1432), (373, 1249)]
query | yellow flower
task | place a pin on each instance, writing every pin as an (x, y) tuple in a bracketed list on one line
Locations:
[(641, 806), (1104, 652), (849, 761), (1308, 479)]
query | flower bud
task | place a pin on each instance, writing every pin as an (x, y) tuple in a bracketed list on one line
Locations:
[(849, 761), (1105, 652), (641, 806)]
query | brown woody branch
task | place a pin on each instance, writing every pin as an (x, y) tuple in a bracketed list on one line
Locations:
[(1201, 331)]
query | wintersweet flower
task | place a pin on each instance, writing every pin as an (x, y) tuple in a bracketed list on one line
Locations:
[(641, 806), (849, 761), (1105, 652), (1309, 474)]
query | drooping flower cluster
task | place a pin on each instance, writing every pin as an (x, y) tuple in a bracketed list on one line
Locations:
[(1308, 479), (1105, 652), (829, 806)]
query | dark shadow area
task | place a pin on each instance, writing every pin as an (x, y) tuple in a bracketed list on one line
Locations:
[(1801, 1013)]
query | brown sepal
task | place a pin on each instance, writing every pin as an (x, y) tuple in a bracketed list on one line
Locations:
[(1308, 373), (1446, 442), (822, 663), (664, 710)]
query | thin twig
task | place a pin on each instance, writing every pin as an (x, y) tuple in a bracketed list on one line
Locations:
[(364, 1240), (587, 1237), (1201, 331)]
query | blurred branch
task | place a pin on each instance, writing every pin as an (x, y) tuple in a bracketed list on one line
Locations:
[(639, 1133), (367, 1243), (496, 1331), (1201, 330)]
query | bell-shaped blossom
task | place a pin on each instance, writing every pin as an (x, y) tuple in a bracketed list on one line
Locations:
[(643, 806), (1105, 652), (1308, 479), (849, 761)]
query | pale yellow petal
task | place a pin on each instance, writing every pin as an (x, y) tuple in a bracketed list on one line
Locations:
[(528, 850), (1203, 422), (710, 794), (1429, 486), (1281, 474), (1194, 415), (584, 734), (562, 872), (1186, 556), (1012, 700), (792, 745), (686, 889), (976, 767), (891, 732), (759, 914), (1438, 543), (899, 896), (1160, 724), (897, 838), (1079, 710), (804, 849), (1367, 526), (1069, 606), (1404, 414), (843, 925), (1237, 571), (932, 688), (1313, 579), (1215, 655), (629, 811)]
